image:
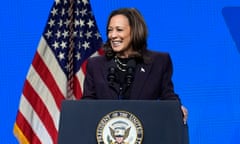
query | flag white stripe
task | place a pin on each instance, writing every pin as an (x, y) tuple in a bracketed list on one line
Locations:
[(49, 59), (31, 116), (80, 76), (45, 95), (95, 54)]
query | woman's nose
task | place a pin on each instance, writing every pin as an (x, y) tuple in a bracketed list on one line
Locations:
[(113, 34)]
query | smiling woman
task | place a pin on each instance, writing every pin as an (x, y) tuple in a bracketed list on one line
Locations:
[(127, 29), (119, 36), (129, 70)]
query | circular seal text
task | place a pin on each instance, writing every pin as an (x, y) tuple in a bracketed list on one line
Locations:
[(119, 127)]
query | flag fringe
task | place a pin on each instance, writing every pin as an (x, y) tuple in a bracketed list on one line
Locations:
[(19, 135)]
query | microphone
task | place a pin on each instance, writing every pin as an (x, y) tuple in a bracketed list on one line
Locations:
[(130, 71), (111, 73)]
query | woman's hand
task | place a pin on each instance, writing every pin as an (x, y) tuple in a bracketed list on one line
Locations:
[(185, 114)]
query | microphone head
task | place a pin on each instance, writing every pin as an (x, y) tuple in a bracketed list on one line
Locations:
[(130, 71), (111, 72), (131, 66)]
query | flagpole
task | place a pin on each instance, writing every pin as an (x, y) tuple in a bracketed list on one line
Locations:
[(70, 53)]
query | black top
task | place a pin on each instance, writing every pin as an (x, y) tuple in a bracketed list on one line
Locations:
[(124, 77)]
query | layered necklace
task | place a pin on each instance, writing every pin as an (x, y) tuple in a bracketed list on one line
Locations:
[(120, 65)]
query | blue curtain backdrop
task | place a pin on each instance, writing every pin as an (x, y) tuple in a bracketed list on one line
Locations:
[(200, 36)]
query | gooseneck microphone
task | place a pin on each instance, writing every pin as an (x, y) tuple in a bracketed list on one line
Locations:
[(130, 72), (120, 79), (111, 73)]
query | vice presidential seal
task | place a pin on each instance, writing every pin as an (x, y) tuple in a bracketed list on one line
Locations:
[(119, 127)]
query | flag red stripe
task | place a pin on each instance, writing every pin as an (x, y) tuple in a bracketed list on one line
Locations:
[(77, 88), (41, 110), (83, 67), (46, 76), (100, 51), (26, 129)]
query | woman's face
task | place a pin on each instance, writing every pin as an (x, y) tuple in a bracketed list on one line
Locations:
[(119, 35)]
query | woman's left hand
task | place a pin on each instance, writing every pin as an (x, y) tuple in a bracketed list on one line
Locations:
[(185, 114)]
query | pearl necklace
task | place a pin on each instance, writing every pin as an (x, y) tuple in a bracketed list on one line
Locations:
[(121, 66)]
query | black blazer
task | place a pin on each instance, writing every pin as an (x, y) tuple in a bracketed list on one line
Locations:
[(153, 79)]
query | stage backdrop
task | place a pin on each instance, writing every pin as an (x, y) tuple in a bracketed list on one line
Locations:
[(202, 37)]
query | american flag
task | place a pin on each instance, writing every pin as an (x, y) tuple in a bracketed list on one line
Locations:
[(57, 70)]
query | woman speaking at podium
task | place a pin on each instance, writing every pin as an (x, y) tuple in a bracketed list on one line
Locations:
[(128, 70)]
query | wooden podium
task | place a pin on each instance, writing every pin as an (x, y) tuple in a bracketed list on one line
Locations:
[(162, 121)]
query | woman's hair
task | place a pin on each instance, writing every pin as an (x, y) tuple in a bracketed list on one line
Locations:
[(138, 31)]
